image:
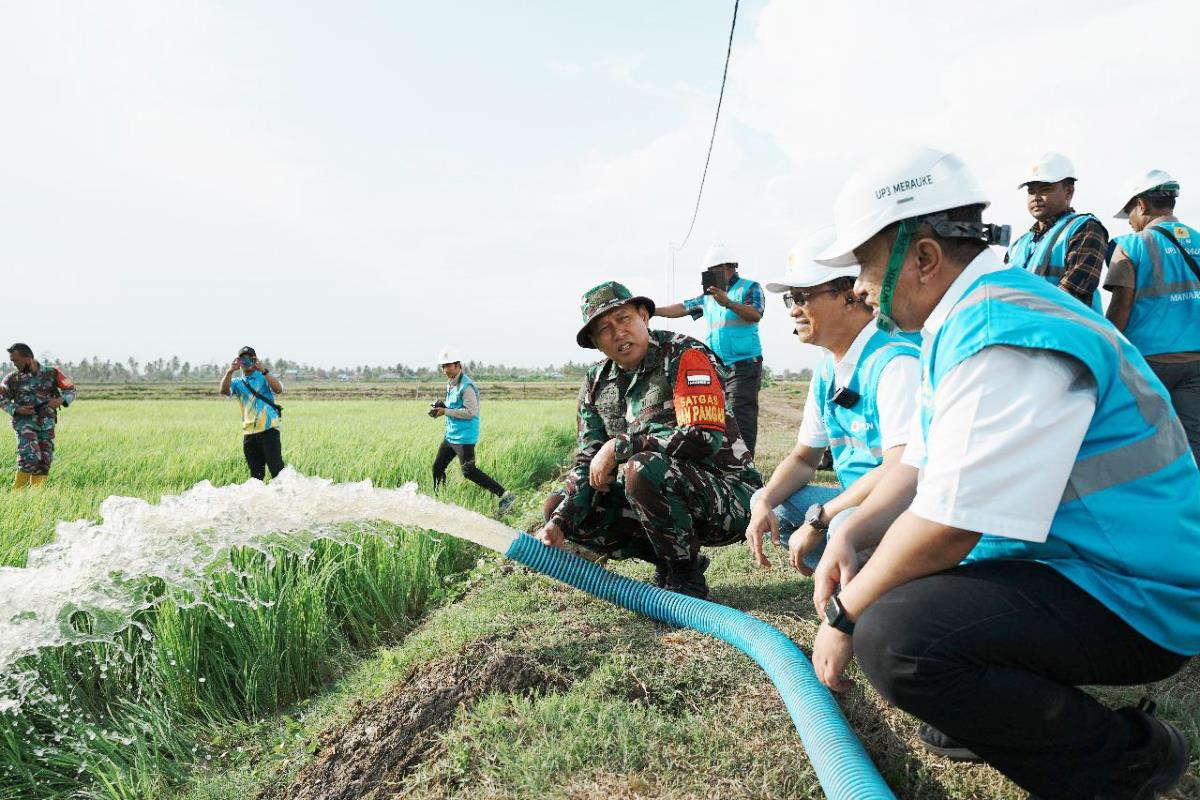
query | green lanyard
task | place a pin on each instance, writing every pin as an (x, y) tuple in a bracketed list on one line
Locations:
[(887, 291)]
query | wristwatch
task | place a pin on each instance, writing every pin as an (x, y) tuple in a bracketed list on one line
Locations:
[(835, 615), (813, 517)]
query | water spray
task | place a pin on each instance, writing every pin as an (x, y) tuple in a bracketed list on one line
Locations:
[(90, 568)]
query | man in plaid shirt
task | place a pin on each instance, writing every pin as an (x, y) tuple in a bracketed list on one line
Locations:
[(732, 306), (1065, 247)]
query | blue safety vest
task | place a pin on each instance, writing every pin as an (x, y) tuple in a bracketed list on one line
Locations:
[(854, 437), (732, 338), (1127, 530), (461, 431), (1048, 257), (1167, 294)]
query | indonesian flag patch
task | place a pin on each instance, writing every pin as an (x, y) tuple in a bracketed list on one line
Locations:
[(699, 396)]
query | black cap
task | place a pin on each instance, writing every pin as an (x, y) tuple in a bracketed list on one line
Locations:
[(21, 349), (247, 351)]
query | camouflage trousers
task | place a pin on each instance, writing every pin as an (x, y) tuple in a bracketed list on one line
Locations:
[(663, 508), (35, 445)]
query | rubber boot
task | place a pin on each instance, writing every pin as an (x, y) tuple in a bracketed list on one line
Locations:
[(22, 480), (37, 480)]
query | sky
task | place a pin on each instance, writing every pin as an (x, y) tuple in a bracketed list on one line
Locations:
[(367, 182)]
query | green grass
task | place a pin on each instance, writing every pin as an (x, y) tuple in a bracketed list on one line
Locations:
[(127, 719)]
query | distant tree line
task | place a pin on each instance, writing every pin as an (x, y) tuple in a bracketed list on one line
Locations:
[(172, 370)]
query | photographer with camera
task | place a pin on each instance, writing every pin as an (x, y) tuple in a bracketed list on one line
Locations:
[(461, 410), (733, 306), (255, 388)]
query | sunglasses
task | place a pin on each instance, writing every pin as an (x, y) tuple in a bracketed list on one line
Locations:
[(799, 297)]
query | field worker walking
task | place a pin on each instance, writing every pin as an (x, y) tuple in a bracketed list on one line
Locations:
[(860, 404), (660, 468), (255, 388), (32, 394), (461, 410), (1065, 247), (732, 306), (998, 590), (1155, 285)]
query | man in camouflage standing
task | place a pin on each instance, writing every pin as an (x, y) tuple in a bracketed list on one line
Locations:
[(661, 468), (32, 394)]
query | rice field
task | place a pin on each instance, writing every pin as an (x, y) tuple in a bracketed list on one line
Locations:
[(126, 719)]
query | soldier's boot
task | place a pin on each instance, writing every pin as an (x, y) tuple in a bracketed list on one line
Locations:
[(37, 480), (660, 573), (687, 576), (22, 480)]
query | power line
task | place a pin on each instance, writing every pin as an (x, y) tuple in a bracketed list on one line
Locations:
[(716, 118)]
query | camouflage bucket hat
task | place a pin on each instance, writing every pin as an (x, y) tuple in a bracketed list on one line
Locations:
[(602, 298)]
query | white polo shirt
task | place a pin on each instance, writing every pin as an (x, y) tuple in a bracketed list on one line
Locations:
[(896, 397), (1006, 429)]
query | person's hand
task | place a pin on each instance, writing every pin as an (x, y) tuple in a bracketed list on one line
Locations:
[(762, 522), (720, 295), (439, 412), (802, 542), (832, 651), (54, 402), (602, 470), (839, 564), (234, 366), (550, 535), (25, 410)]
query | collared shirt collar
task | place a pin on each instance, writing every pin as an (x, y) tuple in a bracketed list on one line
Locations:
[(452, 382), (843, 369), (981, 265), (1039, 229)]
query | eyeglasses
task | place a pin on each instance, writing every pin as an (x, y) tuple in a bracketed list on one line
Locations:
[(799, 297)]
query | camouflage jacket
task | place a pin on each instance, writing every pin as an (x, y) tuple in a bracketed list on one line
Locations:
[(673, 403), (35, 389)]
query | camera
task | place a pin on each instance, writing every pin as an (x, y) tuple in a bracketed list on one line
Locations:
[(713, 278), (436, 404)]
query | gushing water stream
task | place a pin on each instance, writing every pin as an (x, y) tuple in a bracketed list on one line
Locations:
[(99, 569)]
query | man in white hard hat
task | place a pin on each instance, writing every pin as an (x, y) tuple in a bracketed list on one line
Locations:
[(998, 589), (1155, 285), (461, 410), (1065, 247), (860, 404), (732, 306)]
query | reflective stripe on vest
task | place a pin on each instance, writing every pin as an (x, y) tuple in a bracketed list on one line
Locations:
[(1166, 293), (854, 436), (1048, 257), (1127, 529), (461, 431), (729, 336)]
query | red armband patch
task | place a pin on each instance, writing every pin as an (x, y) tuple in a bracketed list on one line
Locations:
[(699, 395)]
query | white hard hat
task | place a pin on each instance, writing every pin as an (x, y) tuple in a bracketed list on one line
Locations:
[(1050, 168), (1144, 182), (803, 270), (718, 254), (905, 182), (448, 355)]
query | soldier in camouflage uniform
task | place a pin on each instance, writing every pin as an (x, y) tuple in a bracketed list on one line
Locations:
[(32, 394), (660, 468)]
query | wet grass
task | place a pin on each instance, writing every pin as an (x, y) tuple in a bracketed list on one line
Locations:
[(129, 718)]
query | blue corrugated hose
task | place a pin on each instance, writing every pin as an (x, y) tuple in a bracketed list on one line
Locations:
[(842, 766)]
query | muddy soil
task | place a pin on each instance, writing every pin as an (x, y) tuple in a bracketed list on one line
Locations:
[(374, 751)]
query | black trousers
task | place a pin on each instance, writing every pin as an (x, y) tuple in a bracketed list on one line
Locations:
[(744, 382), (992, 653), (263, 451), (466, 460)]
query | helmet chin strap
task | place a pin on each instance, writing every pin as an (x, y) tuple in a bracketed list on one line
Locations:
[(887, 291)]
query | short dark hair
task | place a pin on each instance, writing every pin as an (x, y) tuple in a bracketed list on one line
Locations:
[(960, 249), (21, 349), (1158, 201), (842, 284)]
